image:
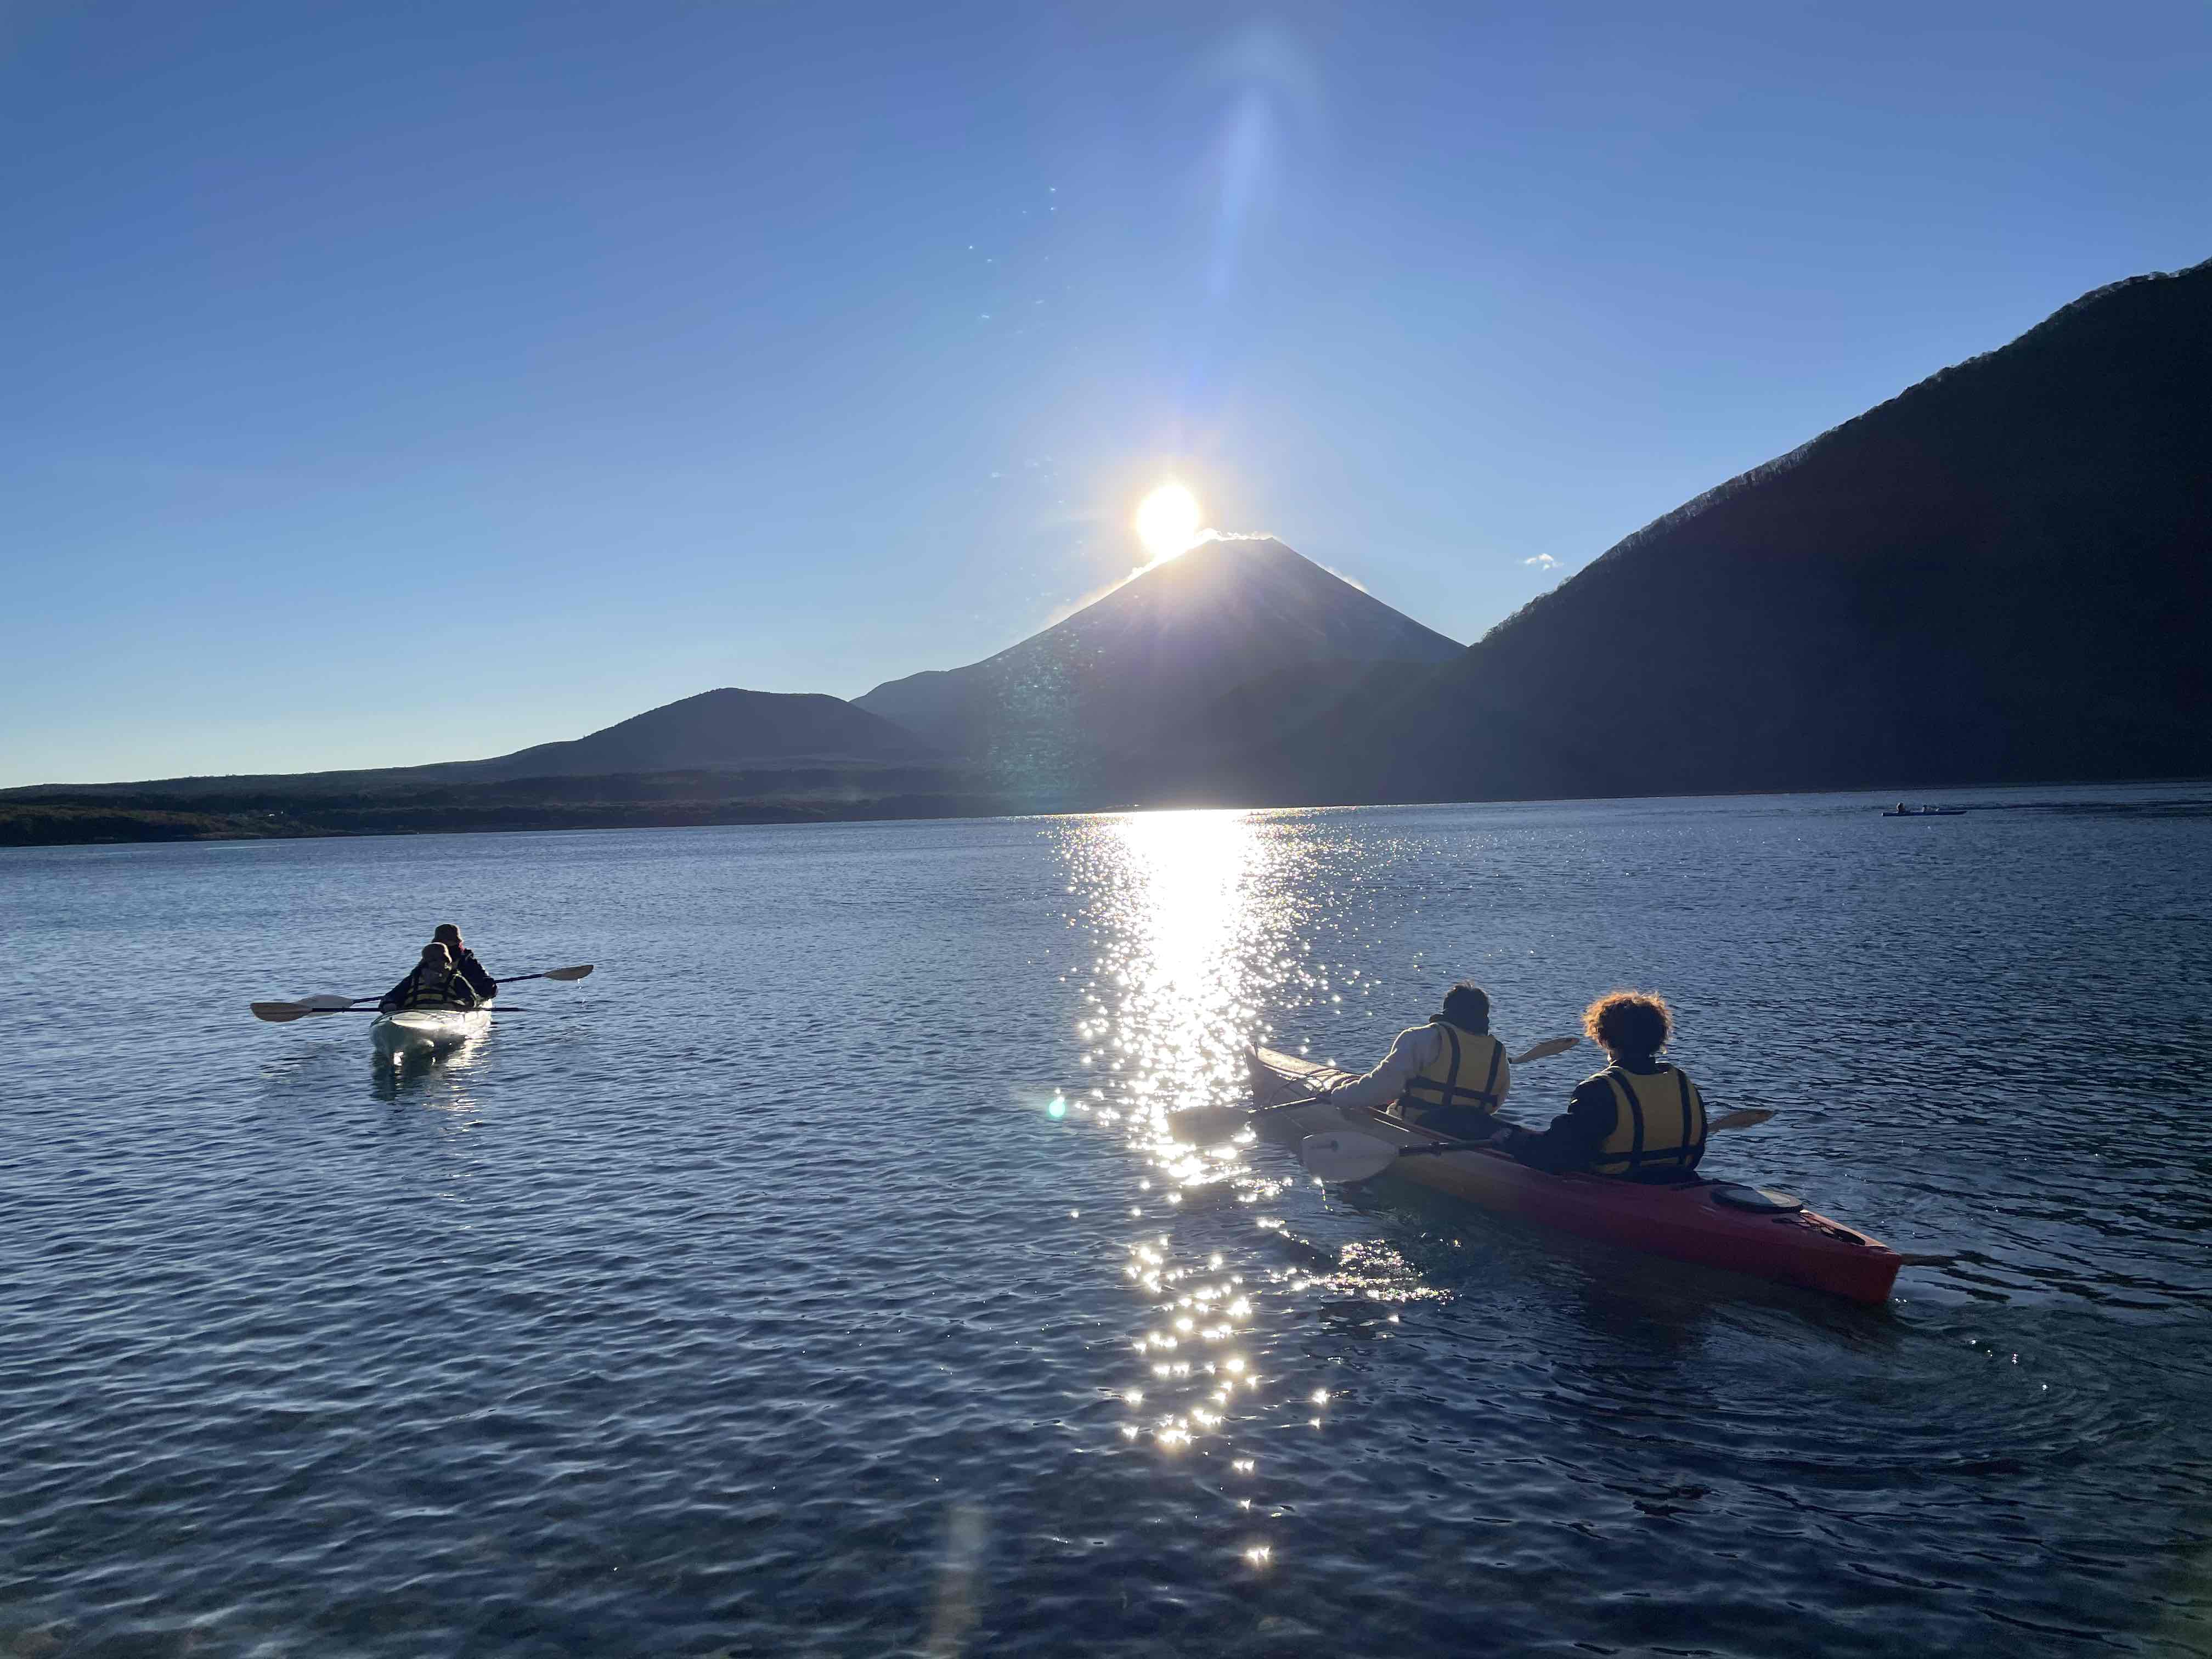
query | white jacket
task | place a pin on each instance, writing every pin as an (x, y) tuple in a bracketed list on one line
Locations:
[(1415, 1047)]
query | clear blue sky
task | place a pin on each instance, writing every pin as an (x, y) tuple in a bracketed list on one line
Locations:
[(386, 385)]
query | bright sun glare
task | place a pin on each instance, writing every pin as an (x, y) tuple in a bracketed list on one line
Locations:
[(1167, 523)]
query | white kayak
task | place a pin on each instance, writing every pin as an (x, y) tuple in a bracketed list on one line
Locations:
[(426, 1030)]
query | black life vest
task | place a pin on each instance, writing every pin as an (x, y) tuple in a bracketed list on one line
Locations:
[(446, 990)]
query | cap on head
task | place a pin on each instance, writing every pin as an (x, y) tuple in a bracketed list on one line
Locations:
[(1467, 1006), (446, 934), (435, 952)]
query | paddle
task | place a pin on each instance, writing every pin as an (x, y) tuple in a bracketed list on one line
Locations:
[(326, 1002), (563, 973), (1205, 1125), (329, 1002), (1346, 1155), (283, 1013)]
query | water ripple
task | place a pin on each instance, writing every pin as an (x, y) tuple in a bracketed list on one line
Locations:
[(816, 1279)]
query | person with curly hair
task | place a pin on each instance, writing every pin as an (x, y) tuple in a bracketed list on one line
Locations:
[(1640, 1119)]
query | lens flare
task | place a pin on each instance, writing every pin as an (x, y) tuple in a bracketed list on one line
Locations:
[(1167, 522)]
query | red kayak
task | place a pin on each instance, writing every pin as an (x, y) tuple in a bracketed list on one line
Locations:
[(1690, 1222)]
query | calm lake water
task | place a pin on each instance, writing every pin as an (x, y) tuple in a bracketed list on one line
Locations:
[(750, 1297)]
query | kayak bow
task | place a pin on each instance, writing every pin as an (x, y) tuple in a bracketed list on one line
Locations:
[(418, 1032)]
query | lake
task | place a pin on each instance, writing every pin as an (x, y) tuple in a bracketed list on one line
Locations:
[(802, 1282)]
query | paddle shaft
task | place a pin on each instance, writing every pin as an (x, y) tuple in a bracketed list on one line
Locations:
[(1748, 1117), (283, 1013), (482, 1007), (1349, 1156), (1205, 1124), (564, 974)]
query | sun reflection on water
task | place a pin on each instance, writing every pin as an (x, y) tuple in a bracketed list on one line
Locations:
[(1204, 926), (1196, 913)]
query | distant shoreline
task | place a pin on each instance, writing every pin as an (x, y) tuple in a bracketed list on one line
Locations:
[(38, 824)]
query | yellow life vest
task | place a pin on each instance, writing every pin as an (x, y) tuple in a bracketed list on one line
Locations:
[(450, 991), (1469, 1074), (1658, 1123)]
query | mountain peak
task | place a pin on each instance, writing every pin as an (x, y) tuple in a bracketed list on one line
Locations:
[(1122, 675)]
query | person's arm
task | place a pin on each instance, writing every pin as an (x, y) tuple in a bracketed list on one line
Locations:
[(469, 999), (1572, 1141), (391, 1001), (1387, 1081), (480, 982)]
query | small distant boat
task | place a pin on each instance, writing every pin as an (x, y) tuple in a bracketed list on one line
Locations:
[(1901, 811)]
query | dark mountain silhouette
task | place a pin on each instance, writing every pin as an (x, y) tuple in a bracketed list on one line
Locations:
[(726, 756), (715, 730), (1098, 695), (2000, 575), (728, 729)]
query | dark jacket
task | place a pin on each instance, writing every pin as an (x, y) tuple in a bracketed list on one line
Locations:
[(480, 982), (1572, 1141)]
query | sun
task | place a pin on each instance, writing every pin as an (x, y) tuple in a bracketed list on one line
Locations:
[(1167, 522)]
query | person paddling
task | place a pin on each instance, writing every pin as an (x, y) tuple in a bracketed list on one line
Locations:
[(433, 984), (1447, 1075), (1640, 1119), (464, 961)]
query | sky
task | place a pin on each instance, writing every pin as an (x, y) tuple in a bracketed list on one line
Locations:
[(382, 385)]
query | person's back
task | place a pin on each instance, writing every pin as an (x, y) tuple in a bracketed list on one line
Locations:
[(465, 961), (1640, 1119), (432, 984), (1449, 1075), (1658, 1130)]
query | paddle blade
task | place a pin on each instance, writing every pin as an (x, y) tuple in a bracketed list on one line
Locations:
[(1546, 1049), (568, 973), (1207, 1126), (279, 1013), (1746, 1118), (1342, 1155), (1911, 1258)]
